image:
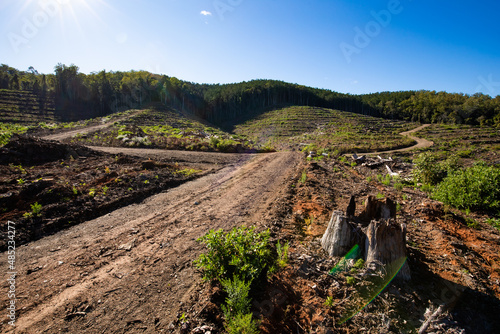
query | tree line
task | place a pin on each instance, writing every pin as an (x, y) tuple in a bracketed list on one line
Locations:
[(78, 95)]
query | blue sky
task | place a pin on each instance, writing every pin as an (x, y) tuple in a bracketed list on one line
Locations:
[(346, 46)]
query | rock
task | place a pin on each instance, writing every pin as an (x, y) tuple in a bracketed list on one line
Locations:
[(185, 327), (128, 246)]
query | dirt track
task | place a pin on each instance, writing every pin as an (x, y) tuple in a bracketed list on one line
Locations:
[(202, 160), (421, 143), (131, 270), (68, 134)]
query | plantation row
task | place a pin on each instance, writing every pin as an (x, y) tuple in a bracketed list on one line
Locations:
[(325, 130), (25, 107)]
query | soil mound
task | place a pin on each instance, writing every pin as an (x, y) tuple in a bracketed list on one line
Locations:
[(30, 150)]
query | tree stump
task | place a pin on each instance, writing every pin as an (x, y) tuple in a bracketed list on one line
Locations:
[(377, 209), (351, 208), (386, 248), (339, 236), (383, 241)]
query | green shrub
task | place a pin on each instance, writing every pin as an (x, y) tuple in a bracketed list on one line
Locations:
[(494, 222), (359, 264), (36, 209), (242, 252), (242, 324), (399, 186), (430, 170), (188, 172), (387, 180), (380, 178), (477, 187), (472, 223), (237, 309), (237, 301), (282, 254), (329, 301)]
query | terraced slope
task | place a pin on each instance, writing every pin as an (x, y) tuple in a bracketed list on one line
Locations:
[(164, 128), (331, 130), (467, 142), (25, 107)]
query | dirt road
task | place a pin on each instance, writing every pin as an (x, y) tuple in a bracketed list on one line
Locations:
[(201, 160), (68, 134), (131, 270), (421, 143)]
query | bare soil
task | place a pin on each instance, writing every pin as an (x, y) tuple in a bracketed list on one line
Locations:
[(130, 270), (451, 264), (73, 184)]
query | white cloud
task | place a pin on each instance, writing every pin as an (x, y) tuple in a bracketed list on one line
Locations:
[(205, 13)]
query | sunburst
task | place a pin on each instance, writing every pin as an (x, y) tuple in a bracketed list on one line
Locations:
[(67, 12), (76, 10)]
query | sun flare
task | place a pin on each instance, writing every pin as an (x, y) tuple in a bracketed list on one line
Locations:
[(71, 14)]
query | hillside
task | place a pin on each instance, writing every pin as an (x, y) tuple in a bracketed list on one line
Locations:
[(166, 128), (81, 96), (325, 129), (108, 211), (25, 107)]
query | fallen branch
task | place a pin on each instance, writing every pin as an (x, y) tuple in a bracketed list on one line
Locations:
[(431, 318)]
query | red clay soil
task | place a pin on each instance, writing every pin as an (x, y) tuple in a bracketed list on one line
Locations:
[(451, 264)]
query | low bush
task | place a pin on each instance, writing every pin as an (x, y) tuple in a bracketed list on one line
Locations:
[(237, 296), (477, 187), (430, 170), (237, 259), (242, 324), (237, 309), (282, 251), (242, 252)]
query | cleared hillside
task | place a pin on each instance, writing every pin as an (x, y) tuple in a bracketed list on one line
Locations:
[(166, 128), (25, 107), (327, 129)]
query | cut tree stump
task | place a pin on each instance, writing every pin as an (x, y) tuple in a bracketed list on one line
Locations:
[(341, 235), (377, 209), (382, 240), (386, 247)]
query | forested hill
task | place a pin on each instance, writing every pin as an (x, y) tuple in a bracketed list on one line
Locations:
[(79, 95)]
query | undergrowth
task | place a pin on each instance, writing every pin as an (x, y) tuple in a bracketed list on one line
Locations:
[(237, 259), (476, 187)]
